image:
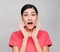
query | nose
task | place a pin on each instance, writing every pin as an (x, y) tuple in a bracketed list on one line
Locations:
[(29, 19)]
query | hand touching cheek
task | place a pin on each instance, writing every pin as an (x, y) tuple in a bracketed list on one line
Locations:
[(36, 30)]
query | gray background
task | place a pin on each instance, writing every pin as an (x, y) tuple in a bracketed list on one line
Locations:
[(49, 16)]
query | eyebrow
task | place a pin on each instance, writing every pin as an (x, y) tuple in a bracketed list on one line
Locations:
[(33, 12), (27, 12)]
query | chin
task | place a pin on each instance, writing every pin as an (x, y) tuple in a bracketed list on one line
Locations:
[(30, 28)]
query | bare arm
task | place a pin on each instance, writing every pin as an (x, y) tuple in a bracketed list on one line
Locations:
[(46, 49), (38, 48), (23, 48), (34, 36), (15, 49)]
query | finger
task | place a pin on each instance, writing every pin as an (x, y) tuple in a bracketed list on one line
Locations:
[(38, 25), (21, 27), (37, 28), (35, 31)]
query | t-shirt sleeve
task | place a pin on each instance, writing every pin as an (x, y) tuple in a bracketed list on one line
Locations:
[(14, 41), (47, 41)]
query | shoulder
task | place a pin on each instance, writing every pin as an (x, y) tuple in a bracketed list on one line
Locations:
[(44, 38), (16, 39), (17, 34), (43, 33)]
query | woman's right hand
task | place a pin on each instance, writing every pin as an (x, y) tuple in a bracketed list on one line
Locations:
[(21, 27), (23, 47)]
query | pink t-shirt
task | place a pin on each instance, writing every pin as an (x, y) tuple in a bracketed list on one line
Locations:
[(17, 39)]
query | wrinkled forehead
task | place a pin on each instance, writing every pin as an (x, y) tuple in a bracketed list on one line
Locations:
[(30, 10)]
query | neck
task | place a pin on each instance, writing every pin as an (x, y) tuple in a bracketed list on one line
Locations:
[(29, 30)]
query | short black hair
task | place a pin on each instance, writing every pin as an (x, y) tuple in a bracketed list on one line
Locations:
[(28, 6)]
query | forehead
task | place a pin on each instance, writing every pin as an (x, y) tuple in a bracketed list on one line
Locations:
[(30, 10)]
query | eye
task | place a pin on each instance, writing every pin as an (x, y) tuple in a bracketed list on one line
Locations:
[(33, 14), (25, 14)]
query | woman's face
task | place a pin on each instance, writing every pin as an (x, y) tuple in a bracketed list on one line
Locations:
[(29, 17)]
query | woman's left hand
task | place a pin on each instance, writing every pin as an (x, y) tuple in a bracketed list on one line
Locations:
[(36, 30), (34, 37)]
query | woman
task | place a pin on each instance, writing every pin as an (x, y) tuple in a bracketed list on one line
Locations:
[(30, 38)]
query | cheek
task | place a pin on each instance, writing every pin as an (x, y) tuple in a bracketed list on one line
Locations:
[(25, 20), (35, 19)]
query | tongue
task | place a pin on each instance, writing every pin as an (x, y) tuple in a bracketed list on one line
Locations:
[(30, 23)]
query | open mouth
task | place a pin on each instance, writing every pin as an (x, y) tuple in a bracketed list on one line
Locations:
[(30, 22)]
